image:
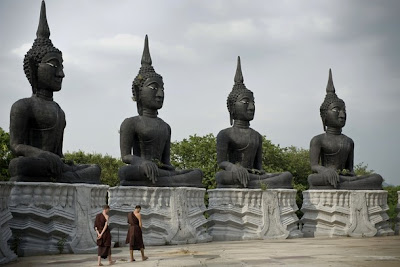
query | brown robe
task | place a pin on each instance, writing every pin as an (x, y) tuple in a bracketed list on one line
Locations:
[(134, 236), (104, 242)]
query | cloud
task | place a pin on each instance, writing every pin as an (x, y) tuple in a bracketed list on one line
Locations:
[(21, 50)]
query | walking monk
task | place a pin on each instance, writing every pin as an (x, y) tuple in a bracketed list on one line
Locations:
[(134, 237), (103, 236)]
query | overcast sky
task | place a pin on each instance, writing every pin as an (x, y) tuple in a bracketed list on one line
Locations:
[(286, 49)]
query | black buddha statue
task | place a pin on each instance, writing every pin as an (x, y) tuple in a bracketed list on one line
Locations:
[(239, 148), (145, 139), (37, 123), (332, 153)]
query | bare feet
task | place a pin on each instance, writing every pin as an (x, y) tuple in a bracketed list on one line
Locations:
[(133, 260), (111, 262), (100, 264), (144, 258)]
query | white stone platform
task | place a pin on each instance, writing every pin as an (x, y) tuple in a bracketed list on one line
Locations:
[(354, 213), (48, 216), (397, 227), (6, 254), (169, 215), (243, 214)]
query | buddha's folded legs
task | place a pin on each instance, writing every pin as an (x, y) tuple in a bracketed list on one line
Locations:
[(366, 182), (134, 175), (317, 181), (230, 179), (30, 169), (33, 169), (281, 180), (81, 173)]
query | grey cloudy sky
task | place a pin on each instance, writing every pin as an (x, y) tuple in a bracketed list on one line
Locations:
[(286, 47)]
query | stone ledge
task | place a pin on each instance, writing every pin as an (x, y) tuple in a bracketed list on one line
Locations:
[(45, 214), (243, 214), (171, 215), (354, 213)]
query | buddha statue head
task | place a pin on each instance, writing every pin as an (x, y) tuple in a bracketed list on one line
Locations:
[(148, 85), (43, 62), (333, 109), (240, 101)]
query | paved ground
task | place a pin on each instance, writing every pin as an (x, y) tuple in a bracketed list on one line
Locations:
[(375, 251)]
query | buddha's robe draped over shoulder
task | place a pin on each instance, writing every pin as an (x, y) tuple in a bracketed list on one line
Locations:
[(134, 236)]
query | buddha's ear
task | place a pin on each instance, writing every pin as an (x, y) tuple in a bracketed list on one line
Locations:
[(33, 74), (231, 118), (137, 99), (324, 124)]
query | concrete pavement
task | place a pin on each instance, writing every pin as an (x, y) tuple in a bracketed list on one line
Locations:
[(375, 251)]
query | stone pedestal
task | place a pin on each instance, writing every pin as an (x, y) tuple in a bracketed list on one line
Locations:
[(397, 227), (6, 255), (355, 213), (242, 214), (49, 217), (169, 215)]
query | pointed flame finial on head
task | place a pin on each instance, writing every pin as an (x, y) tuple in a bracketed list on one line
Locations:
[(238, 74), (146, 58), (43, 30), (330, 88)]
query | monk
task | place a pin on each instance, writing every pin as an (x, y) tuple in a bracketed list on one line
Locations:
[(134, 236), (103, 236)]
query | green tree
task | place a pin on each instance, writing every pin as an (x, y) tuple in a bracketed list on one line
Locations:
[(109, 165), (5, 155), (361, 169), (392, 202), (197, 152)]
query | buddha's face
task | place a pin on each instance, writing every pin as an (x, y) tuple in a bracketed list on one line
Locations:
[(50, 72), (244, 107), (152, 93), (336, 115)]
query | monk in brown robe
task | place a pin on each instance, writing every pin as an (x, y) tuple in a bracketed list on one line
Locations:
[(103, 236), (134, 236)]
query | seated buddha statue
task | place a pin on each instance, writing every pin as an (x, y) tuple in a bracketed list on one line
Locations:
[(332, 153), (145, 140), (239, 148), (37, 123)]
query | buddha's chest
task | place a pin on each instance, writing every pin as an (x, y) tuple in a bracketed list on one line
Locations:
[(152, 130), (333, 145), (244, 140), (47, 115)]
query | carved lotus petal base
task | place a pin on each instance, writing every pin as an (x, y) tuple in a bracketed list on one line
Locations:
[(48, 216), (170, 215), (354, 213), (244, 214), (6, 254)]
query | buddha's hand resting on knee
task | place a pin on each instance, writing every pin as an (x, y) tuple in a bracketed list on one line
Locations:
[(150, 170), (331, 176), (55, 166), (242, 173)]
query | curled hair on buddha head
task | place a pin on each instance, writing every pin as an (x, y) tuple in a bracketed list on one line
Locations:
[(146, 71), (41, 46), (330, 98), (238, 89)]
